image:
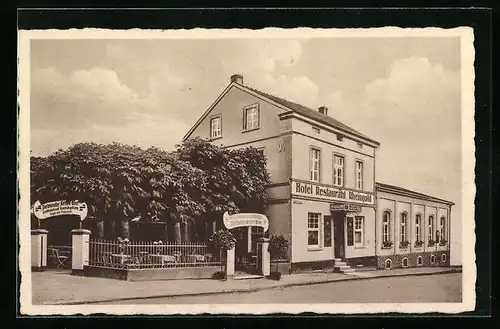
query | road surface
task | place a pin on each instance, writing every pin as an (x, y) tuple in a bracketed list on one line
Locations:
[(409, 289)]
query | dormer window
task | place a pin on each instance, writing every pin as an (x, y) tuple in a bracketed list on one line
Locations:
[(340, 137), (216, 127), (251, 117)]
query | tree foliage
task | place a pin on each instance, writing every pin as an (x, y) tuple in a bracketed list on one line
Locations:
[(197, 181)]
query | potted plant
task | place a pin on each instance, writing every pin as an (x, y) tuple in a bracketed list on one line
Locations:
[(387, 244), (443, 242), (419, 243), (431, 243), (278, 249), (404, 244), (222, 240)]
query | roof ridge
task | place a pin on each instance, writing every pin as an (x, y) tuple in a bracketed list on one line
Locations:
[(412, 191)]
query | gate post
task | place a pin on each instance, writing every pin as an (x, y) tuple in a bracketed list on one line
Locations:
[(263, 256), (39, 249), (79, 250), (230, 263)]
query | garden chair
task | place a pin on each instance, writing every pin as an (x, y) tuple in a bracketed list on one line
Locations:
[(57, 259)]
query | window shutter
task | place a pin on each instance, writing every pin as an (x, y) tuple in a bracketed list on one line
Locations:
[(350, 231)]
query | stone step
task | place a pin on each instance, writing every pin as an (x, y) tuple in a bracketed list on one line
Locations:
[(340, 263)]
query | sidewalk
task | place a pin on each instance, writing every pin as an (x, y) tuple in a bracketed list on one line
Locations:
[(54, 287)]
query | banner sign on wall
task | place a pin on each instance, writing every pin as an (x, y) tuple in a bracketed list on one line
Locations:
[(332, 193), (245, 219), (60, 208)]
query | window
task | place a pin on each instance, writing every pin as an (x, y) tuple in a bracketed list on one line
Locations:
[(251, 118), (443, 258), (215, 127), (418, 220), (442, 227), (386, 227), (315, 165), (388, 263), (359, 175), (403, 226), (262, 151), (316, 130), (338, 170), (404, 263), (419, 261), (358, 230), (313, 229), (431, 228), (327, 231), (433, 259)]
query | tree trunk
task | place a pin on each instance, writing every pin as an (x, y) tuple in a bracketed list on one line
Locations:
[(125, 229), (100, 229), (177, 231), (165, 232), (113, 235), (185, 232)]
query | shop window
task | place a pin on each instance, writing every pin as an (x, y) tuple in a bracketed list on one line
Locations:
[(251, 117), (443, 258), (388, 263), (216, 127), (338, 170), (404, 263), (315, 163), (359, 230), (327, 231), (433, 259), (313, 229), (359, 175), (386, 227), (420, 260)]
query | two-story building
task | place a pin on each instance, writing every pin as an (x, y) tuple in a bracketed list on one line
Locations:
[(324, 197)]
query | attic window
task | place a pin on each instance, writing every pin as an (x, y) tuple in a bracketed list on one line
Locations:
[(340, 137), (316, 130)]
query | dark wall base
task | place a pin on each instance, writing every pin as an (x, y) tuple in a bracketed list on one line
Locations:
[(326, 265), (38, 269), (152, 274), (397, 260), (362, 262), (283, 267)]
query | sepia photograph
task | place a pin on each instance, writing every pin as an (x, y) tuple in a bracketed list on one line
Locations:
[(246, 171)]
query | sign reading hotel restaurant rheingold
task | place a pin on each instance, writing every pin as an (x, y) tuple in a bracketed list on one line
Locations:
[(330, 193), (245, 219), (58, 208)]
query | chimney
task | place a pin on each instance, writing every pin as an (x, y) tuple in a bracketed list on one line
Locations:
[(323, 110), (237, 78)]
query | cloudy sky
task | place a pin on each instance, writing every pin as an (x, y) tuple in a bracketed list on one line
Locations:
[(402, 92)]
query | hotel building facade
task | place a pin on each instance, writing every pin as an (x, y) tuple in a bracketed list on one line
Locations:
[(324, 197)]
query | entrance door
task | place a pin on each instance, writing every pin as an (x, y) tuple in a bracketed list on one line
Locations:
[(338, 235)]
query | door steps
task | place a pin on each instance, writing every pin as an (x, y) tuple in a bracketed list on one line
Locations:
[(341, 266)]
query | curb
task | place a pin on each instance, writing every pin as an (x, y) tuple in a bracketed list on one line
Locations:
[(231, 291)]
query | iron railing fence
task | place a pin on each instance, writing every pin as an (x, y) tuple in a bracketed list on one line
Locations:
[(146, 255)]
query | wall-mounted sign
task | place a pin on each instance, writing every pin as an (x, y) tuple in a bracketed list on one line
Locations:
[(245, 219), (59, 208), (331, 193), (347, 207)]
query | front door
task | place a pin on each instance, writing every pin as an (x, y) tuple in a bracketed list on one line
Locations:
[(338, 235)]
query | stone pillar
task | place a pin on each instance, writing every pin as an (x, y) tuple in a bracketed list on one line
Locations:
[(80, 250), (230, 263), (249, 239), (39, 249), (264, 257)]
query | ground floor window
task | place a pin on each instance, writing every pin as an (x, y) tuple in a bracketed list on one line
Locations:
[(313, 220), (443, 258), (433, 259), (388, 263), (359, 230), (404, 263), (327, 231)]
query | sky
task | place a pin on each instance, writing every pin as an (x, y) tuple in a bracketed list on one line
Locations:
[(402, 92)]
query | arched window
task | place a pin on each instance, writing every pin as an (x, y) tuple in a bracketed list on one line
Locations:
[(419, 260), (404, 263), (442, 228), (431, 228), (386, 226), (388, 263), (418, 221), (443, 258), (433, 259), (403, 226)]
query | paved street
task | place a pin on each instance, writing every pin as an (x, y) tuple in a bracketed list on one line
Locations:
[(429, 288)]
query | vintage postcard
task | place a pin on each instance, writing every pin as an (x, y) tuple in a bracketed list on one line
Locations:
[(246, 171)]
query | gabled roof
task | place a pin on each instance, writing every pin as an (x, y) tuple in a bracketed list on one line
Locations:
[(294, 107), (402, 191), (312, 114)]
